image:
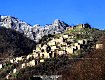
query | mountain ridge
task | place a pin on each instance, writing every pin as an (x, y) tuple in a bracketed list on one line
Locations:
[(29, 31)]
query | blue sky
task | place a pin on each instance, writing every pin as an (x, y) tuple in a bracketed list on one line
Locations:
[(46, 11)]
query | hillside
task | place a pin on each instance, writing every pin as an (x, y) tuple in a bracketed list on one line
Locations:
[(13, 43), (56, 53), (92, 67), (73, 51)]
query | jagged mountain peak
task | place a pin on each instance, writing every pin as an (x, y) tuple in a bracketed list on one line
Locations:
[(60, 24), (2, 17), (10, 19), (57, 21)]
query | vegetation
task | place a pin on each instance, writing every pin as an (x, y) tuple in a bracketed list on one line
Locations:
[(45, 39), (89, 67), (66, 66), (92, 67), (13, 43)]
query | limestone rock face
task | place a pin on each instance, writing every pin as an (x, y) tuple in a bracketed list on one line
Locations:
[(35, 32), (16, 24)]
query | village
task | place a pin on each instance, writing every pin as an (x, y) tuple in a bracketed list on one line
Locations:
[(64, 44)]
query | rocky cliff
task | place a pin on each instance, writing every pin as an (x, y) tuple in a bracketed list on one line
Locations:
[(35, 32)]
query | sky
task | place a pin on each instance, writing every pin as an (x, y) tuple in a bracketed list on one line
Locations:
[(45, 12)]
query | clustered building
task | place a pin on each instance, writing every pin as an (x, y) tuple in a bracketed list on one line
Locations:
[(64, 44)]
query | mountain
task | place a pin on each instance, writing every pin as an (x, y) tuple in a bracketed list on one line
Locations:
[(74, 52), (35, 32), (68, 50)]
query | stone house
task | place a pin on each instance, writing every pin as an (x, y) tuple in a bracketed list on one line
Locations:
[(53, 48), (80, 26), (85, 41), (61, 43), (65, 36), (35, 55), (42, 55), (31, 63), (14, 70), (69, 28), (71, 40), (60, 52), (1, 66), (63, 48), (45, 54), (34, 52), (18, 59), (74, 47), (71, 36), (51, 43), (44, 47), (59, 40), (29, 56), (99, 46), (64, 44), (23, 65), (41, 60), (81, 41), (61, 37), (8, 76), (69, 50), (38, 49), (77, 46), (12, 60)]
